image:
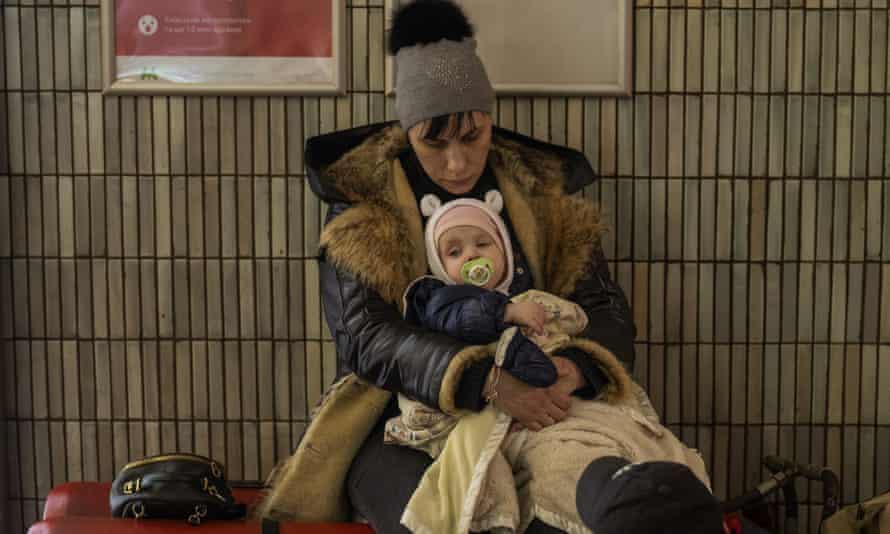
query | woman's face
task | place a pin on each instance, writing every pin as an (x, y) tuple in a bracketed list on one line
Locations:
[(456, 158)]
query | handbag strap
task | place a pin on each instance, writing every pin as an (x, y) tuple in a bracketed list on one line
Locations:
[(270, 526)]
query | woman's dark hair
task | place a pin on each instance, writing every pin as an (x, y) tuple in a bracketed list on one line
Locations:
[(427, 21), (449, 125)]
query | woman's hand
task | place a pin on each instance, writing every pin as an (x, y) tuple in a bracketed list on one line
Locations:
[(569, 379), (533, 408)]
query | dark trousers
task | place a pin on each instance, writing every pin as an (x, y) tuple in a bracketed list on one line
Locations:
[(382, 479)]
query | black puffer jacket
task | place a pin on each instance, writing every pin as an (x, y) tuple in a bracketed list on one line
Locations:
[(476, 315), (377, 344)]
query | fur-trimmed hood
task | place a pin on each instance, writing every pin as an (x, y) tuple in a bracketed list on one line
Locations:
[(324, 150), (379, 238)]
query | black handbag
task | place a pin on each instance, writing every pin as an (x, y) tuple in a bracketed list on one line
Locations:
[(174, 486)]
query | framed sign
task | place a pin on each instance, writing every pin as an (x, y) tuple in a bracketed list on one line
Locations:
[(568, 47), (224, 46)]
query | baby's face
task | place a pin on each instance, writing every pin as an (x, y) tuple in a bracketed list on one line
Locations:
[(461, 244)]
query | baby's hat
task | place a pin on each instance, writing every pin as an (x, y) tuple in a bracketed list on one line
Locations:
[(466, 212)]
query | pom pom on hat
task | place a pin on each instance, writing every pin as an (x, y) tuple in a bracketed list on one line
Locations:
[(428, 21)]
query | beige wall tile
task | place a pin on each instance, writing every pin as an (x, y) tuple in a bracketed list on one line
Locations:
[(249, 380), (639, 297), (722, 313), (859, 137), (247, 298), (878, 51), (314, 377), (232, 373), (656, 306), (793, 136), (21, 313), (540, 115), (230, 306), (278, 307), (843, 136), (312, 299), (197, 288), (80, 133), (214, 299), (861, 26), (183, 372), (556, 112), (68, 298), (16, 152), (675, 130), (676, 50), (296, 299), (876, 136), (119, 402), (31, 132), (151, 380), (883, 398), (35, 277), (625, 137), (227, 140), (193, 147), (216, 381), (260, 142), (608, 133), (167, 379)]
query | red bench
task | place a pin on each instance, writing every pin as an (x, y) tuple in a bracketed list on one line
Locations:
[(82, 508)]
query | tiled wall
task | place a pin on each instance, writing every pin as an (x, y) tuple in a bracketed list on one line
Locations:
[(158, 292)]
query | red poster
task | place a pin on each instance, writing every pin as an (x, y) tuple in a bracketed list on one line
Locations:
[(224, 28)]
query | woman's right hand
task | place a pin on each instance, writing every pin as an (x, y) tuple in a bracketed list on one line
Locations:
[(533, 408)]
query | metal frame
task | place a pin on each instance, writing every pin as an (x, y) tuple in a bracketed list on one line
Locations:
[(621, 86), (111, 85)]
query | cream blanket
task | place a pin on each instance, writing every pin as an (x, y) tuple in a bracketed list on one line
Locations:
[(488, 478)]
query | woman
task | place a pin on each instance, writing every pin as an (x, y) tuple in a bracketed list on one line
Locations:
[(372, 247)]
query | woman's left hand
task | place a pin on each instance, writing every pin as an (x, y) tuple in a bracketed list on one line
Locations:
[(568, 378)]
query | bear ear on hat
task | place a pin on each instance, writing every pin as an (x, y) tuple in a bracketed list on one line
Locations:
[(429, 204), (494, 200)]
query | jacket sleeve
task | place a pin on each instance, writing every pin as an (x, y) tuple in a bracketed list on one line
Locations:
[(378, 345), (609, 317), (468, 313)]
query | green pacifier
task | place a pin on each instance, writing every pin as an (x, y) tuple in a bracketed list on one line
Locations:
[(477, 272)]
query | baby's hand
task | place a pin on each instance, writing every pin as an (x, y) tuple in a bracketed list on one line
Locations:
[(530, 314)]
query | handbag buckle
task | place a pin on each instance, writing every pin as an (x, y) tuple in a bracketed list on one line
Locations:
[(138, 510), (211, 489), (200, 513), (132, 486)]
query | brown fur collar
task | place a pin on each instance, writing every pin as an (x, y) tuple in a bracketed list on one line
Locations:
[(379, 239)]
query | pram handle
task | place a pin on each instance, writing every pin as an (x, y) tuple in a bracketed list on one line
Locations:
[(775, 481), (830, 482)]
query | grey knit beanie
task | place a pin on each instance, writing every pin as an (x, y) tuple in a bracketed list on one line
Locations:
[(440, 78)]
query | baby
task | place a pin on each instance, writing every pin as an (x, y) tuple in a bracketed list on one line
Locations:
[(622, 445), (471, 260)]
